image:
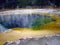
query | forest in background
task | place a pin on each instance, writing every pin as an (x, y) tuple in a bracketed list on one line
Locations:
[(28, 3)]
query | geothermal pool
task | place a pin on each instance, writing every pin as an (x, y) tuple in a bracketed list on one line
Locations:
[(24, 21), (20, 20), (23, 18)]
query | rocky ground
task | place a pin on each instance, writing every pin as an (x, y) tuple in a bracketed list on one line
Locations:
[(46, 40), (13, 35)]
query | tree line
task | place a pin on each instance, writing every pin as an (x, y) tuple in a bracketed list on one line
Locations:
[(24, 3)]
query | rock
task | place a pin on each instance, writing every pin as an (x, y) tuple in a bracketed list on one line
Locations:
[(5, 43)]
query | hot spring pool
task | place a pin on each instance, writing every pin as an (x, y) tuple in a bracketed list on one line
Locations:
[(25, 18)]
